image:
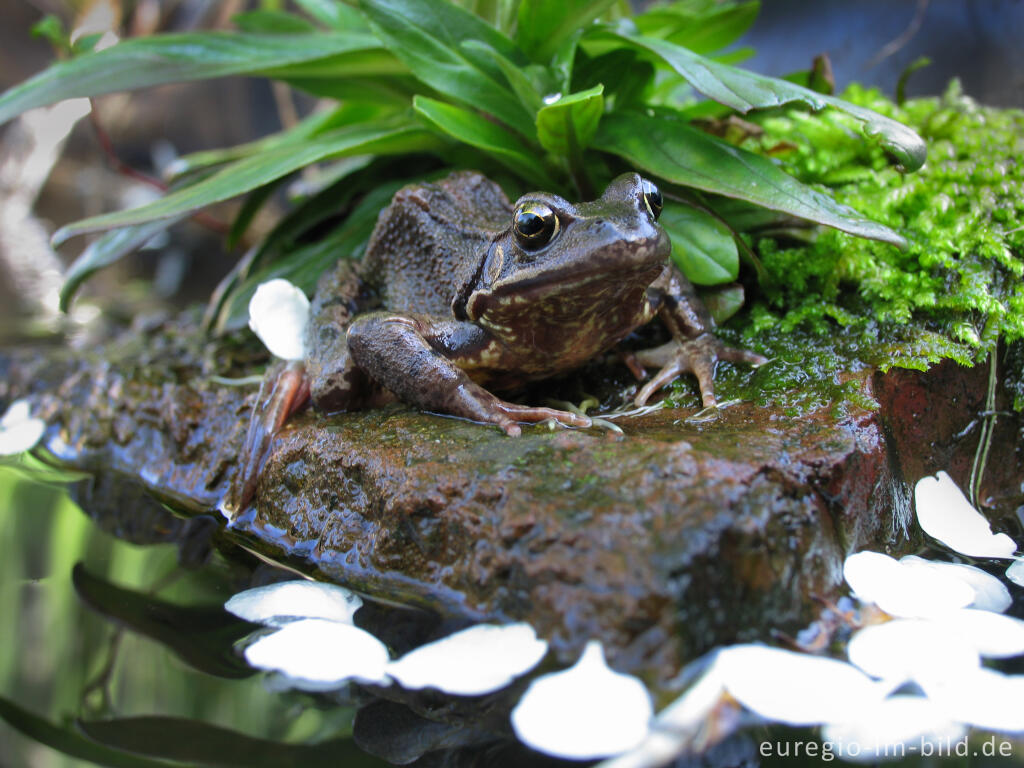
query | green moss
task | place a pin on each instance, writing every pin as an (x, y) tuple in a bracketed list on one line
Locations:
[(955, 290)]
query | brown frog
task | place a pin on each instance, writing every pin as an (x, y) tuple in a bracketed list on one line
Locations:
[(461, 294)]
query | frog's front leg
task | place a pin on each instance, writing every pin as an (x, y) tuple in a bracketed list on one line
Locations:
[(694, 347), (420, 358)]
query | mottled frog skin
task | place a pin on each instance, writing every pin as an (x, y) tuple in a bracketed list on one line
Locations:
[(462, 294)]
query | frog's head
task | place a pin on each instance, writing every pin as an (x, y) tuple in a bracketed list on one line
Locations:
[(554, 252)]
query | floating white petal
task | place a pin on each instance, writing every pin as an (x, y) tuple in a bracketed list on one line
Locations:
[(278, 604), (472, 662), (1015, 572), (677, 726), (990, 594), (990, 634), (319, 655), (898, 726), (585, 712), (19, 432), (279, 314), (945, 514), (904, 590), (985, 698), (796, 688), (910, 649)]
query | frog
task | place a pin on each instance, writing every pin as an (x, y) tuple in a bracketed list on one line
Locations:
[(463, 296)]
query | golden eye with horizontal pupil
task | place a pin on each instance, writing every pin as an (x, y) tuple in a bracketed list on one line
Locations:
[(652, 198), (535, 225)]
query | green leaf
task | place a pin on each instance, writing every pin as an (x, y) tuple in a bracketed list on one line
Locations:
[(702, 246), (334, 14), (427, 35), (702, 30), (69, 743), (667, 147), (723, 302), (743, 91), (544, 25), (143, 62), (470, 128), (568, 125), (203, 637), (518, 78), (197, 743), (108, 249), (245, 175), (272, 23)]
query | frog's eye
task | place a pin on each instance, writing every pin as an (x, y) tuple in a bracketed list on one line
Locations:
[(535, 225), (652, 198)]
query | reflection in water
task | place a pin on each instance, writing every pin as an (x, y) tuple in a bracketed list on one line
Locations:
[(104, 662)]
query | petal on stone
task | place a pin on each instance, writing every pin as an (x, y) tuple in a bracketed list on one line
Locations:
[(945, 514), (319, 655), (796, 688), (286, 601), (990, 594), (985, 699), (279, 314), (17, 412), (1015, 572), (585, 712), (990, 634), (21, 437), (910, 649), (472, 662), (904, 590), (897, 726)]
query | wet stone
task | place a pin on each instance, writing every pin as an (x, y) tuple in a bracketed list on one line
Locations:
[(662, 543)]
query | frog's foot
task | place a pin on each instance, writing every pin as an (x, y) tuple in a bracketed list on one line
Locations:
[(289, 393), (698, 356)]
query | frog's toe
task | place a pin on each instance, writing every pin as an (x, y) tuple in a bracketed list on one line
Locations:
[(737, 355), (532, 415)]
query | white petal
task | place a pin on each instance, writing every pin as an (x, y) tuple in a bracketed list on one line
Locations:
[(945, 514), (990, 594), (991, 634), (279, 314), (585, 712), (904, 590), (20, 437), (897, 726), (795, 688), (319, 655), (676, 726), (985, 698), (910, 649), (474, 661), (1015, 572), (278, 604), (17, 412)]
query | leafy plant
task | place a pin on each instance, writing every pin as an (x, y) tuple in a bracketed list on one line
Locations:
[(539, 94)]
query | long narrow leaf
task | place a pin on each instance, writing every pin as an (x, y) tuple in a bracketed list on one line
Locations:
[(743, 91), (545, 25), (470, 128), (667, 147), (108, 249), (255, 171), (144, 62), (427, 35)]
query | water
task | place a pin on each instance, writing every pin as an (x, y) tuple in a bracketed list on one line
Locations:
[(78, 687)]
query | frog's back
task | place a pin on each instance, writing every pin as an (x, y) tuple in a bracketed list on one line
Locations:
[(431, 240)]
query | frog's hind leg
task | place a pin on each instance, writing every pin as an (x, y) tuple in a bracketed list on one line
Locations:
[(288, 393), (416, 357)]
